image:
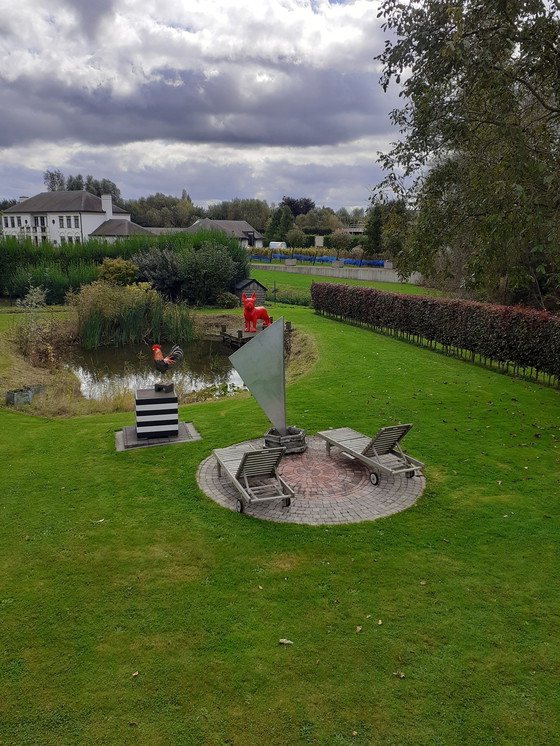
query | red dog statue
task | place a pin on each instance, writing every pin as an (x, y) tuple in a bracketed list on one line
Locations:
[(252, 313)]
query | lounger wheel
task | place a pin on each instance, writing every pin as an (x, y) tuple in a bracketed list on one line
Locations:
[(374, 478), (286, 502), (410, 474), (239, 505)]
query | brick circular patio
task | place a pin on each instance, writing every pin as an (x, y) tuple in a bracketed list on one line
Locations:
[(328, 489)]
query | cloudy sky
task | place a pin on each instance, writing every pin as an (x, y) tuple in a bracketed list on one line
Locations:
[(224, 98)]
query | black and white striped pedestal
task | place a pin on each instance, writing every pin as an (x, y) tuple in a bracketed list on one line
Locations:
[(157, 414)]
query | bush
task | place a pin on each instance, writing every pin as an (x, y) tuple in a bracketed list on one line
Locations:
[(164, 269), (226, 300), (208, 272), (42, 340), (506, 334), (118, 271)]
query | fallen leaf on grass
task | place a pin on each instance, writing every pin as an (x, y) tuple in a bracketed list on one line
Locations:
[(379, 621), (260, 587), (358, 628), (135, 674), (422, 582), (283, 641), (100, 521), (398, 674)]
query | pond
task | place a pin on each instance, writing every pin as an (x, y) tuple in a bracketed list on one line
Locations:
[(108, 371)]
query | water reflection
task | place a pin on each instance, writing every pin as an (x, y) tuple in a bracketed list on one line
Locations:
[(110, 370)]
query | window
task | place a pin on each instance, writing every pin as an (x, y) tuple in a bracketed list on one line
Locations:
[(12, 222), (77, 239), (18, 219), (68, 221), (43, 221), (5, 222), (63, 239), (60, 221), (69, 239), (35, 221), (76, 221)]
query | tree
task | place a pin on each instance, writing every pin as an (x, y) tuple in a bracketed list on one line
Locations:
[(280, 222), (373, 230), (300, 206), (479, 156), (385, 228), (319, 221), (296, 238), (341, 241), (75, 183), (54, 180)]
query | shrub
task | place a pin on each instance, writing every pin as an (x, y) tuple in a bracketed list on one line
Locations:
[(506, 334), (226, 300), (118, 271), (208, 271), (42, 340), (36, 297), (164, 269)]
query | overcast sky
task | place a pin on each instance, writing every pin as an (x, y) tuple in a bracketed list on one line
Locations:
[(223, 98)]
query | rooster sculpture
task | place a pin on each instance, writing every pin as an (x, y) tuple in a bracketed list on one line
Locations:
[(162, 364)]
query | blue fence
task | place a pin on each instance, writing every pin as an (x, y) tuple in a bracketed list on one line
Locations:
[(321, 260)]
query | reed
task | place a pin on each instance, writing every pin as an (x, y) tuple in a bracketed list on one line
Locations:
[(114, 315)]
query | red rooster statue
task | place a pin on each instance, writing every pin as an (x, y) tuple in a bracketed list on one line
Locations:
[(162, 364)]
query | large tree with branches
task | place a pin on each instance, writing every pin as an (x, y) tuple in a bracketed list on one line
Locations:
[(479, 156)]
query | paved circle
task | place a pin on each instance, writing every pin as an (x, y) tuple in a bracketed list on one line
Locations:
[(328, 489)]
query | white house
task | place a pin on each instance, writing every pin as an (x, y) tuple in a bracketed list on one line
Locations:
[(68, 217)]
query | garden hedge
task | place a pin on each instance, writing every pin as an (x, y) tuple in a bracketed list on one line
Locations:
[(509, 335)]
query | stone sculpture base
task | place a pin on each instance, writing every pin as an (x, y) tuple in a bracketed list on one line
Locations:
[(293, 441)]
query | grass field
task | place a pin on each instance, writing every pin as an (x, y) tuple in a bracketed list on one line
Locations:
[(134, 610), (303, 282)]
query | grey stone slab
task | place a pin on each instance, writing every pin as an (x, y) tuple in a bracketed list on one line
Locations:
[(126, 438)]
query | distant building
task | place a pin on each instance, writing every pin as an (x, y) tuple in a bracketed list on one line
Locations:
[(247, 236), (68, 217), (249, 287)]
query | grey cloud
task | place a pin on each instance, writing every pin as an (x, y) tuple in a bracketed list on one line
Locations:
[(315, 107), (90, 14)]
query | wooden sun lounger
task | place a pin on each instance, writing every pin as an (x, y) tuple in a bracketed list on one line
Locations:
[(381, 454), (254, 474)]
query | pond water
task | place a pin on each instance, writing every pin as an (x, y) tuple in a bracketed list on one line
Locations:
[(109, 371)]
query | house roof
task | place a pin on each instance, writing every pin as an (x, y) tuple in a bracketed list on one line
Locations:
[(162, 231), (120, 227), (235, 228), (242, 284), (75, 201)]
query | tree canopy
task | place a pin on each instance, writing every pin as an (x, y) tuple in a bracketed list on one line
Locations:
[(479, 156), (55, 181), (299, 206)]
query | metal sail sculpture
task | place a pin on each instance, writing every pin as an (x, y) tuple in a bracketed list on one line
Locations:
[(260, 363)]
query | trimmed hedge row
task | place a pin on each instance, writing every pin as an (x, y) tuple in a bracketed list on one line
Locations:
[(522, 337)]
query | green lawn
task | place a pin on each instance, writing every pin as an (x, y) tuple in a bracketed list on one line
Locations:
[(303, 282), (134, 610)]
